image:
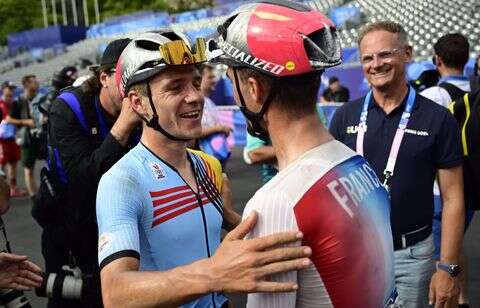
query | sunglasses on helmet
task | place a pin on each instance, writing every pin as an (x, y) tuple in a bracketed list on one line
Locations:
[(178, 53)]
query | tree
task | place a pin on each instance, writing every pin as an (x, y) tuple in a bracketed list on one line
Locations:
[(19, 15)]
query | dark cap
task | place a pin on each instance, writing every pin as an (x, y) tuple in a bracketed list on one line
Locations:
[(112, 53), (8, 84), (332, 80), (64, 78), (68, 72)]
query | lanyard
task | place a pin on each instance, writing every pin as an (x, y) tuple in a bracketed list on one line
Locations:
[(101, 121), (397, 140)]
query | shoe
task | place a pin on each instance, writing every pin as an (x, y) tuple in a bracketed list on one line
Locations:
[(18, 192)]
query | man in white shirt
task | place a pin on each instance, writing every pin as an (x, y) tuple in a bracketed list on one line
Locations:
[(451, 56)]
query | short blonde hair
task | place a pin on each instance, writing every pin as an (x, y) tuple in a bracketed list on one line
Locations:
[(388, 26)]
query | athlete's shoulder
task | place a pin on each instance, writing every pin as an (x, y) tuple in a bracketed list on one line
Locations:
[(310, 167), (212, 165), (128, 168), (283, 191)]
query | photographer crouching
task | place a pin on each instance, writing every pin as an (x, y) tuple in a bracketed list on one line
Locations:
[(89, 130)]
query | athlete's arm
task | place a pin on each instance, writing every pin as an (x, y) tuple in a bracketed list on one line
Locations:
[(444, 288), (264, 154), (257, 151), (237, 266)]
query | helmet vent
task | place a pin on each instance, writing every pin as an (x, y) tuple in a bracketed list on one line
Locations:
[(148, 45), (322, 46)]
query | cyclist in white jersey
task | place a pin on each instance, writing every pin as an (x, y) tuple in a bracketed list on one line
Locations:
[(276, 52), (159, 209)]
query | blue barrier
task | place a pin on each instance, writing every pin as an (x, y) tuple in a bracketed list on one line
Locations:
[(151, 20), (45, 37), (343, 14)]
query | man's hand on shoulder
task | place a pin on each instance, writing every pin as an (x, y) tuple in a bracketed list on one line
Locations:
[(242, 266)]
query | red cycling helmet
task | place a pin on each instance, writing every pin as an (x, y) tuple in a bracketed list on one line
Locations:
[(279, 38)]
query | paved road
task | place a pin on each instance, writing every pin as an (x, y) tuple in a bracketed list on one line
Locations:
[(24, 233)]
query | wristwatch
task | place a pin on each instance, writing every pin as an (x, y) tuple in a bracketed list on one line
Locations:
[(452, 269)]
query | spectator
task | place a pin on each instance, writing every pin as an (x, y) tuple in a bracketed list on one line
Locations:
[(21, 115), (42, 103), (451, 56), (10, 151), (336, 93), (211, 125), (84, 154), (426, 142)]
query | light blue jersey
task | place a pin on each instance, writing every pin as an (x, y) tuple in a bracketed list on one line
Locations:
[(146, 210)]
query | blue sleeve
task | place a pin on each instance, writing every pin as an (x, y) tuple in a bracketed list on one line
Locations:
[(118, 215), (448, 148), (337, 125)]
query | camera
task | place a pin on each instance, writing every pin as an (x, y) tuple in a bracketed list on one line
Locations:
[(13, 299), (70, 284)]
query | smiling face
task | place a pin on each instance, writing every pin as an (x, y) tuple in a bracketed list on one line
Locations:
[(384, 57), (179, 104)]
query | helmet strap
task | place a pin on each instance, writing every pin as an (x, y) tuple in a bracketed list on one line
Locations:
[(253, 119), (153, 122)]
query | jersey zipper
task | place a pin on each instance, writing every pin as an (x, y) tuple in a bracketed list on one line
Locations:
[(204, 218), (199, 201)]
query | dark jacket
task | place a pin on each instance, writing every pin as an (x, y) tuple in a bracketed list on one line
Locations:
[(85, 159), (466, 111)]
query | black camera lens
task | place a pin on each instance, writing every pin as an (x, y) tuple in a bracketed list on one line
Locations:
[(60, 285)]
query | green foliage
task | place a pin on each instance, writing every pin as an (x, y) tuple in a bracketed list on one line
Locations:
[(20, 15)]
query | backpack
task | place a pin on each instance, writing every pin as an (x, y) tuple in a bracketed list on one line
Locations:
[(454, 91), (53, 177), (466, 111), (474, 83)]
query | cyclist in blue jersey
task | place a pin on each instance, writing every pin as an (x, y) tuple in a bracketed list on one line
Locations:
[(160, 209)]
